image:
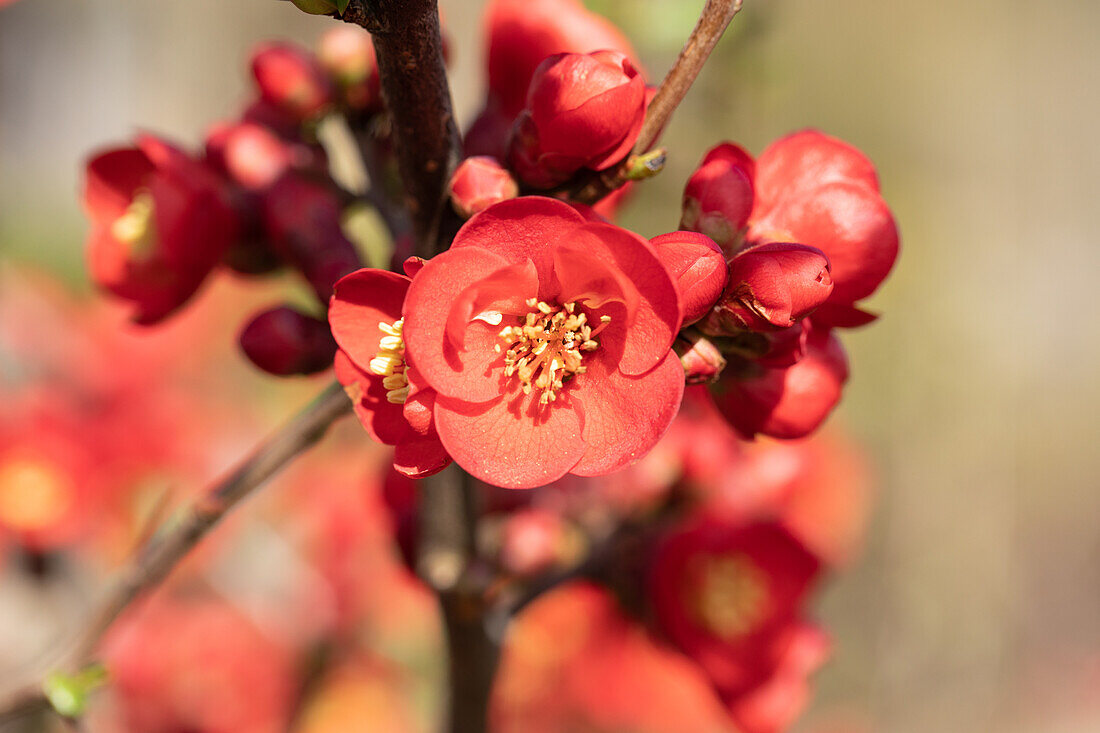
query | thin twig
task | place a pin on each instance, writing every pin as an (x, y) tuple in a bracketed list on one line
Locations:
[(409, 48), (713, 20), (156, 559)]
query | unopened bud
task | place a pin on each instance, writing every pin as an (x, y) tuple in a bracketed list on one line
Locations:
[(702, 360), (478, 183), (291, 78), (718, 197), (284, 342)]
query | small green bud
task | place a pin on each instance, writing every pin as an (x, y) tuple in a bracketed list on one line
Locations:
[(647, 165)]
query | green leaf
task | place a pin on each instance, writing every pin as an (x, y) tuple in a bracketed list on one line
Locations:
[(342, 6)]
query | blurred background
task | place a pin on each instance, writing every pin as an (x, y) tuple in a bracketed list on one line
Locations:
[(976, 604)]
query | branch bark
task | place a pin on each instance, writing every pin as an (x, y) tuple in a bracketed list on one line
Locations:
[(713, 20), (164, 550), (409, 49)]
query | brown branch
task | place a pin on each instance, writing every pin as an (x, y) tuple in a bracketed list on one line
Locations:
[(713, 20), (409, 49), (167, 547)]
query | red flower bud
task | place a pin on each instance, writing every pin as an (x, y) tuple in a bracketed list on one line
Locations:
[(809, 159), (478, 183), (698, 267), (160, 223), (702, 360), (583, 111), (771, 286), (718, 197), (291, 78), (786, 402), (303, 221), (522, 33), (250, 154), (283, 342), (347, 54)]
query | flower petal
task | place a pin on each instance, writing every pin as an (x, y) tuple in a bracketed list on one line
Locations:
[(511, 442), (361, 301), (657, 318), (625, 416), (383, 420), (428, 306), (521, 229)]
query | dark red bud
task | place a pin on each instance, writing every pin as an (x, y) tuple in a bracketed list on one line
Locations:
[(284, 342)]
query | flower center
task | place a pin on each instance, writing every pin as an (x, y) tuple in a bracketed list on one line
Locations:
[(730, 599), (546, 350), (389, 362), (137, 228), (33, 494)]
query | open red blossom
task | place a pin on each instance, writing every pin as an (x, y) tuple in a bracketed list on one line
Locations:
[(771, 286), (160, 223), (390, 399), (728, 593), (786, 401), (583, 111), (808, 188), (548, 341)]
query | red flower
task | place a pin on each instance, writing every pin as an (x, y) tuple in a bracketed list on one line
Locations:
[(583, 111), (786, 401), (727, 594), (807, 188), (159, 225), (213, 670), (548, 341), (771, 286), (478, 183), (291, 78), (391, 400)]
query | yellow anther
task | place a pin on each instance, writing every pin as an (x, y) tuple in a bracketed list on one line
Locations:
[(389, 362), (544, 350), (137, 227)]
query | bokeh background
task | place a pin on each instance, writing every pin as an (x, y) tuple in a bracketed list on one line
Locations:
[(976, 605)]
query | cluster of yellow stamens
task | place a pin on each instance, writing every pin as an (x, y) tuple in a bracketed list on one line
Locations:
[(547, 349), (136, 228), (732, 595), (389, 362)]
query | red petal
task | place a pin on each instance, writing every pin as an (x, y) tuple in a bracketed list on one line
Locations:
[(625, 416), (521, 229), (428, 306), (503, 443), (383, 420), (806, 160), (420, 456), (504, 291), (360, 302), (112, 178), (657, 318)]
